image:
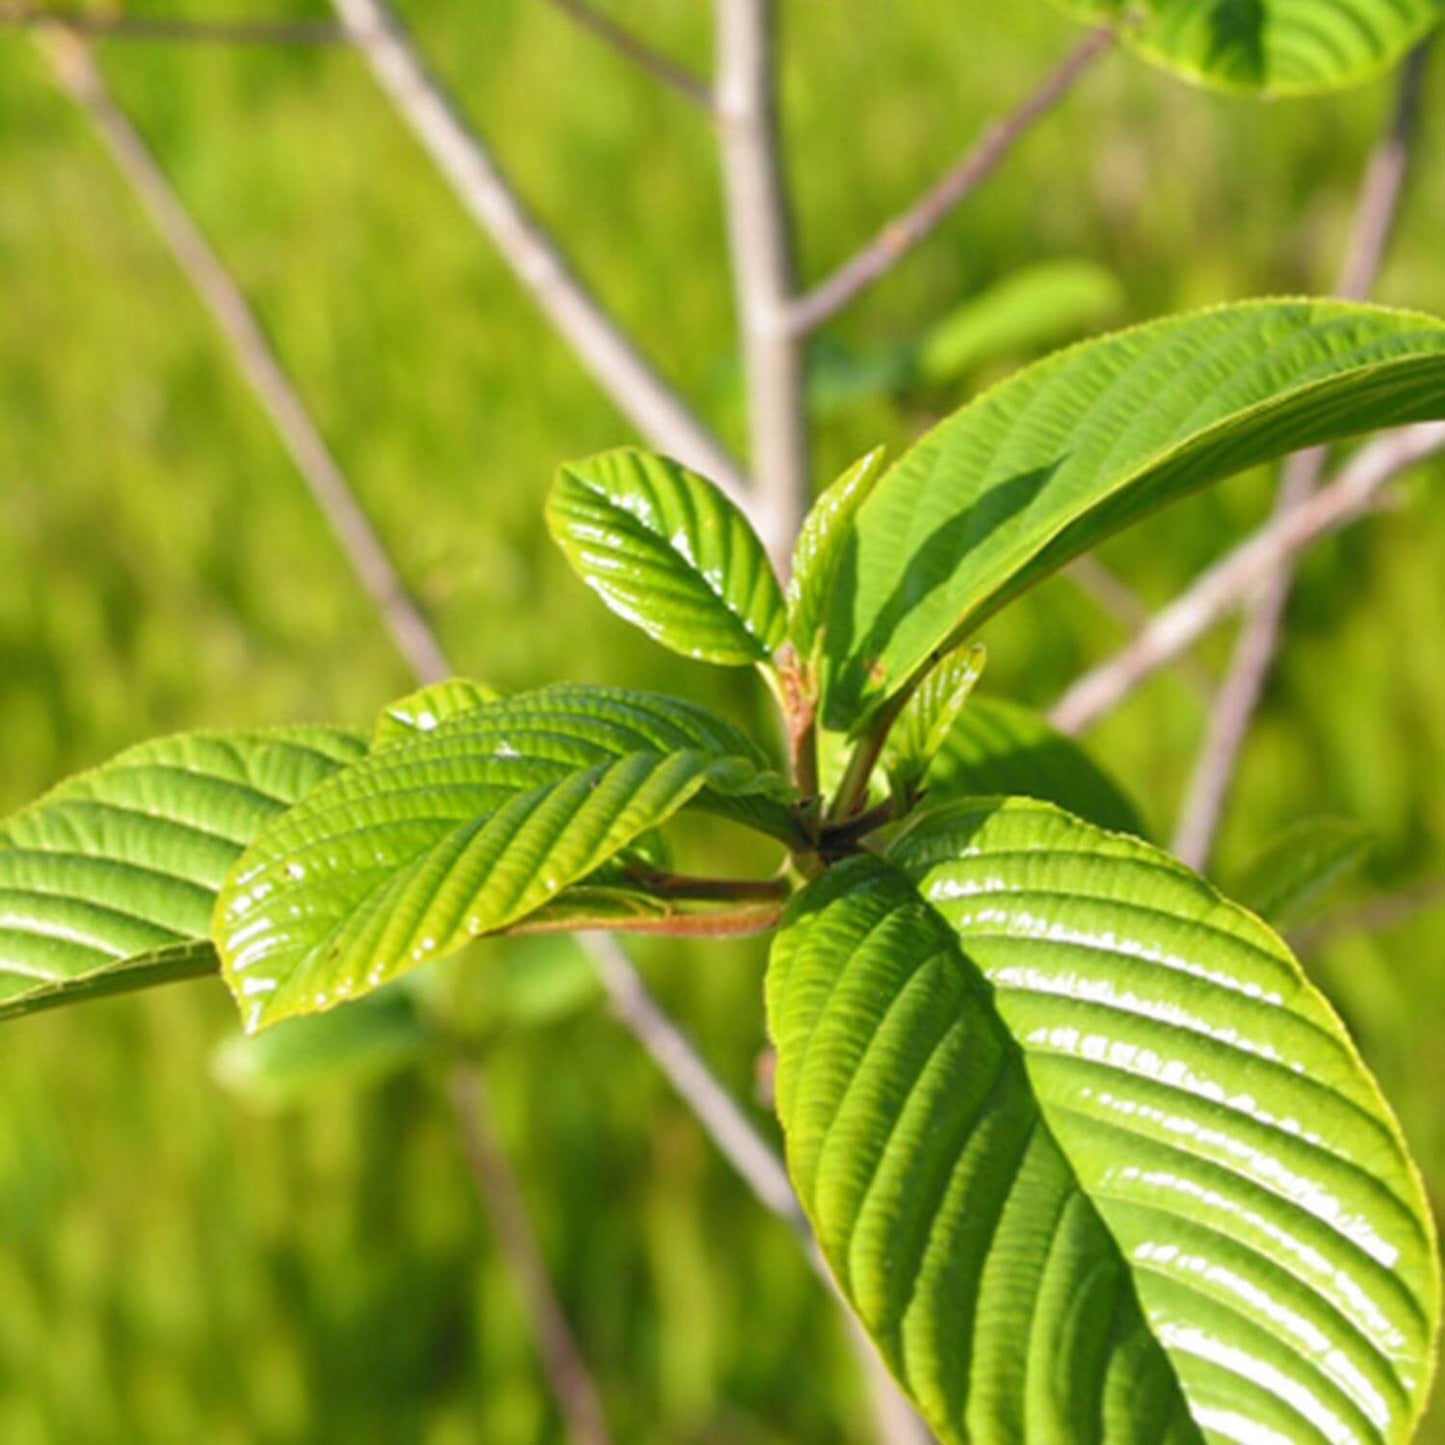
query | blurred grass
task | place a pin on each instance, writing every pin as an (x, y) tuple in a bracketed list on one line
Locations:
[(175, 1268)]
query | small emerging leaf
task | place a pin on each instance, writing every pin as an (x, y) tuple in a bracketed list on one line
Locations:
[(929, 716), (107, 883), (1288, 881), (820, 548), (1271, 47), (428, 708), (666, 550)]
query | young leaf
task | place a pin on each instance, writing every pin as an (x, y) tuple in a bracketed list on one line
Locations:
[(1088, 1155), (1271, 47), (372, 1040), (464, 831), (666, 550), (1286, 883), (427, 708), (929, 716), (999, 749), (107, 883), (1045, 466), (820, 548)]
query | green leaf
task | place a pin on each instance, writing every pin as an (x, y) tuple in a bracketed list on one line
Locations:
[(820, 548), (1029, 308), (1272, 47), (1045, 466), (999, 749), (427, 708), (930, 715), (1087, 1153), (1296, 872), (107, 883), (465, 831), (666, 550), (373, 1040)]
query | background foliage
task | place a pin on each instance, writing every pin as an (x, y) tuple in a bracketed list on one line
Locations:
[(178, 1266)]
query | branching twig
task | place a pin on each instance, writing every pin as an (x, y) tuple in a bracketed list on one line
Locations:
[(94, 26), (501, 1196), (1376, 916), (611, 357), (904, 232), (1243, 687), (761, 249), (637, 51), (1230, 582), (254, 358)]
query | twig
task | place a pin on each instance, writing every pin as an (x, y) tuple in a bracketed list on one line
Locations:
[(614, 361), (254, 357), (1259, 641), (153, 27), (630, 47), (904, 232), (761, 249), (501, 1196), (1229, 583), (750, 1156), (1376, 916)]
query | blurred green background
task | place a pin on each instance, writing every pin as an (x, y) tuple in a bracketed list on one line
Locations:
[(177, 1266)]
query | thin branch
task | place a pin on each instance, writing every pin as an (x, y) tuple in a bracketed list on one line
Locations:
[(1230, 583), (501, 1196), (743, 923), (254, 357), (613, 360), (748, 1153), (1259, 641), (1377, 916), (94, 26), (761, 249), (904, 232), (638, 52)]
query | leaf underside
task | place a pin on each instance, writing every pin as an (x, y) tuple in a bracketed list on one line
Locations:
[(1089, 1156), (666, 550), (107, 883), (1278, 47), (1045, 466), (472, 827)]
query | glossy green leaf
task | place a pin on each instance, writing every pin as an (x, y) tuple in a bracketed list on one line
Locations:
[(666, 550), (1272, 47), (353, 1048), (1048, 464), (427, 708), (1000, 749), (1091, 1158), (819, 550), (1286, 883), (107, 883), (465, 831), (930, 715)]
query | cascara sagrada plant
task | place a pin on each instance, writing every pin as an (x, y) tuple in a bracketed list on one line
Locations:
[(1088, 1155)]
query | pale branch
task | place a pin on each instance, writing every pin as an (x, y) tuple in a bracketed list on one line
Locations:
[(611, 357), (904, 232), (254, 356), (1259, 641), (75, 71), (636, 51), (500, 1193), (752, 1159), (761, 249), (1230, 582), (92, 25)]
